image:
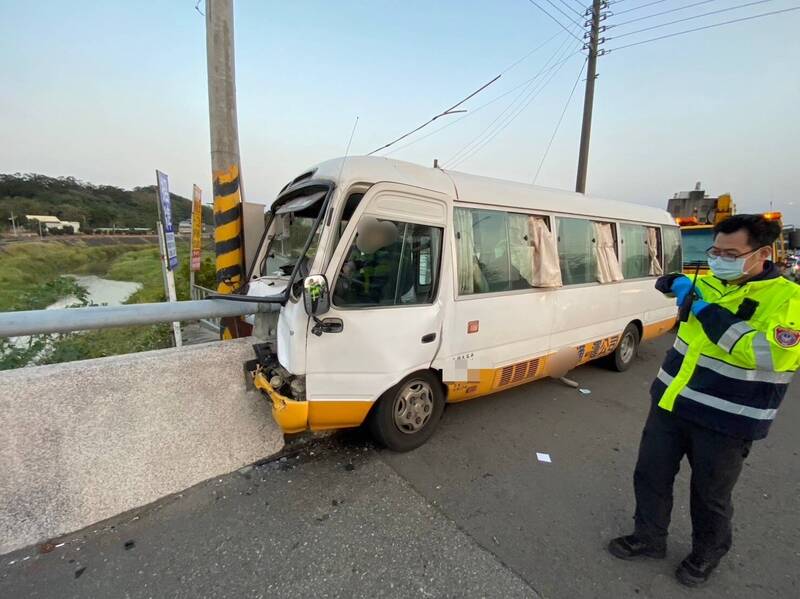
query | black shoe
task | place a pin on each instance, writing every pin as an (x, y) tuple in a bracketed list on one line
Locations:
[(694, 570), (632, 547)]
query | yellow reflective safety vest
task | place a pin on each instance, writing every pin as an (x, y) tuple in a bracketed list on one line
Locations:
[(731, 364)]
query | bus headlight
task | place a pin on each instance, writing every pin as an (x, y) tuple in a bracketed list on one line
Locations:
[(298, 388)]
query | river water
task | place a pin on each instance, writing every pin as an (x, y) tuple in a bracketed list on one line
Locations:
[(100, 292)]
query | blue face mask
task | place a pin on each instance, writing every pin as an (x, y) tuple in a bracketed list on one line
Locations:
[(727, 270)]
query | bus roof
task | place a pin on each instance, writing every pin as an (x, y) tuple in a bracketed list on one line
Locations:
[(473, 189)]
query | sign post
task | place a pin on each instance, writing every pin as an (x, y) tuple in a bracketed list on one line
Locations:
[(169, 251), (197, 232)]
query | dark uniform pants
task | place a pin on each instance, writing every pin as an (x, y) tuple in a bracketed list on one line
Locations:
[(716, 462)]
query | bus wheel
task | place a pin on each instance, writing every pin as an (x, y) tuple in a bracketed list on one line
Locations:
[(408, 413), (626, 350)]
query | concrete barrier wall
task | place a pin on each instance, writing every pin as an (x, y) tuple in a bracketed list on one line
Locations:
[(84, 441)]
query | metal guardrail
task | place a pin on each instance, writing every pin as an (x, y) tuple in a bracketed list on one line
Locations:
[(33, 322), (197, 292)]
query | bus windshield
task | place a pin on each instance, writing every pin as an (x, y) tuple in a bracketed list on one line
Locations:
[(695, 242), (290, 229)]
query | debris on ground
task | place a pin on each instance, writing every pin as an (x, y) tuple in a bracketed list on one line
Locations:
[(569, 382)]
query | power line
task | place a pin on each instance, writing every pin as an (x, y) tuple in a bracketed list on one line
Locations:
[(570, 18), (525, 56), (561, 118), (524, 94), (447, 112), (622, 12), (569, 7), (707, 14), (661, 37), (582, 6), (560, 24), (466, 116), (555, 70), (658, 14)]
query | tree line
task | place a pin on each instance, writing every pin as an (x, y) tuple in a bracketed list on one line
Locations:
[(94, 206)]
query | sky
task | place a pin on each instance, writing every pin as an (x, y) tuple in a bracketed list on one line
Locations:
[(108, 91)]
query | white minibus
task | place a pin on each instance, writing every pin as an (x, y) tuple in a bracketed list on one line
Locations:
[(398, 288)]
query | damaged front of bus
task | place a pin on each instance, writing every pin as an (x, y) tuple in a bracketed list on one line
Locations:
[(332, 349)]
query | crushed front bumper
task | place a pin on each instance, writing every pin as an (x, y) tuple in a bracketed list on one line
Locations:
[(291, 415)]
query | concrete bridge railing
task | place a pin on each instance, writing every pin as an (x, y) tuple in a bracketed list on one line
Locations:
[(83, 441)]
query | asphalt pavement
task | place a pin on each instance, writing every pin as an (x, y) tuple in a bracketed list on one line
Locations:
[(473, 513)]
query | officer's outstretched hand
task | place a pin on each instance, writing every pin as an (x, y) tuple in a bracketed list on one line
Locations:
[(681, 287)]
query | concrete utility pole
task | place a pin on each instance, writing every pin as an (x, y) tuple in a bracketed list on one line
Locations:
[(588, 98), (225, 165)]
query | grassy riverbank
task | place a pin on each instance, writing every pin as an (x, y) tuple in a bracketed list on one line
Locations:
[(31, 279)]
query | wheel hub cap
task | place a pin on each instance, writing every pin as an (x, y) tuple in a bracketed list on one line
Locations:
[(626, 348), (413, 407)]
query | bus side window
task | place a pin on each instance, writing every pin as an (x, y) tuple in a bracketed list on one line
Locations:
[(389, 264), (673, 261), (576, 253), (347, 213), (641, 251), (503, 251)]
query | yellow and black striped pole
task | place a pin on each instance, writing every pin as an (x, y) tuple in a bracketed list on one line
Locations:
[(229, 242), (228, 237), (225, 165)]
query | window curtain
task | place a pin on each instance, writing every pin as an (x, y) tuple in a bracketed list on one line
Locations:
[(465, 244), (546, 271), (521, 245), (608, 269), (652, 246)]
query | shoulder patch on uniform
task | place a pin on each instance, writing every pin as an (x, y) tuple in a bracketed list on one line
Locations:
[(787, 337)]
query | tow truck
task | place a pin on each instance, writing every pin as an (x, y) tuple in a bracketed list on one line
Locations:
[(696, 214)]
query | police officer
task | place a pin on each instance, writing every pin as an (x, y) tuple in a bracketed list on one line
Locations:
[(718, 390)]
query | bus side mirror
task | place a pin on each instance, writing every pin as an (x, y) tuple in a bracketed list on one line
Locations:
[(316, 295)]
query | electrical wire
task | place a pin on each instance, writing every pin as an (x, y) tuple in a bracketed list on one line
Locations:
[(466, 116), (707, 14), (569, 7), (582, 6), (450, 110), (534, 94), (560, 24), (447, 112), (570, 18), (529, 54), (558, 124), (658, 14), (520, 98), (740, 20), (622, 12)]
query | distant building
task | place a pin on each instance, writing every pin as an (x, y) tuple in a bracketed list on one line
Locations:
[(76, 226), (52, 222), (185, 227)]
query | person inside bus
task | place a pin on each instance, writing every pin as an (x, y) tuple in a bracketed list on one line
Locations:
[(718, 390), (370, 271)]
